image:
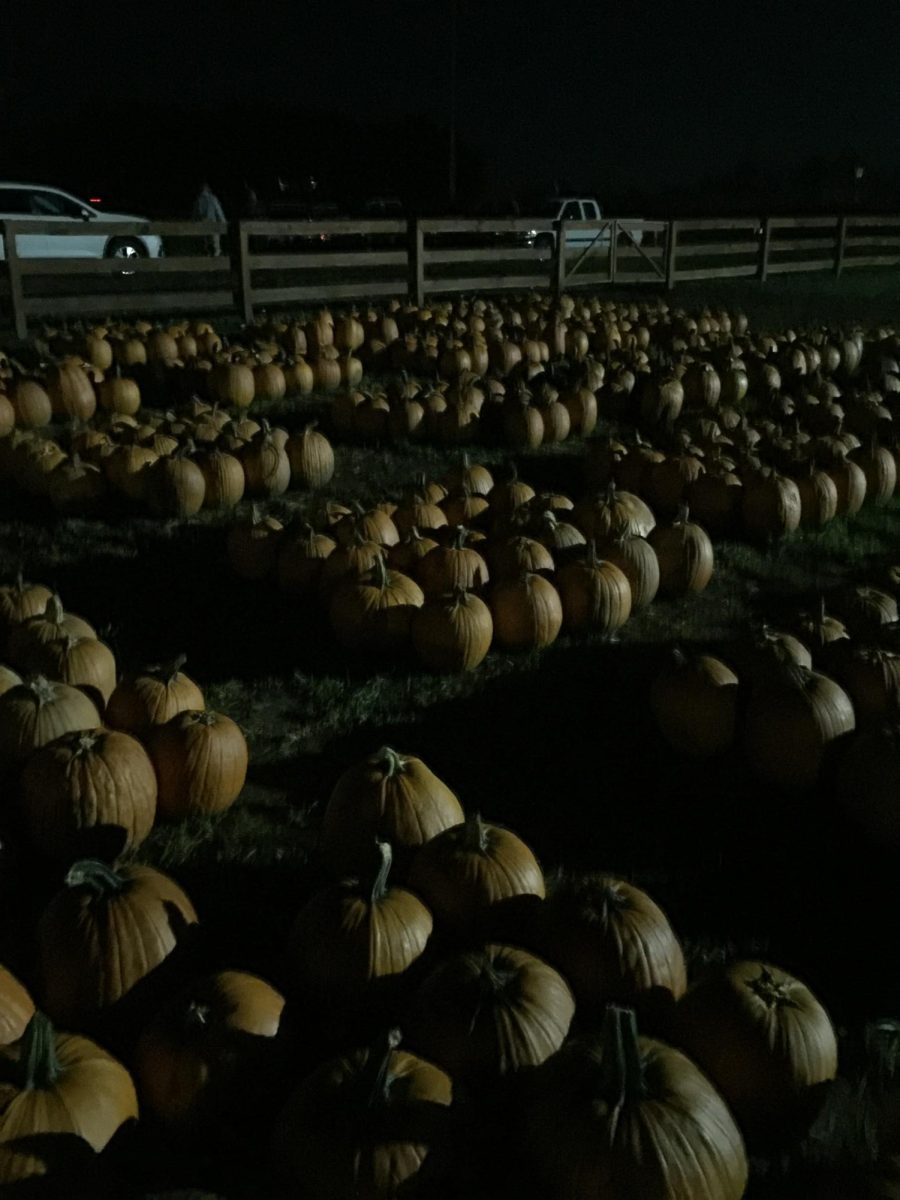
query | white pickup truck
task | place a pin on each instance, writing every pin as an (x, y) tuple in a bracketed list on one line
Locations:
[(574, 208)]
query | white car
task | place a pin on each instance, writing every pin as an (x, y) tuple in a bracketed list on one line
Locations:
[(572, 208), (33, 202)]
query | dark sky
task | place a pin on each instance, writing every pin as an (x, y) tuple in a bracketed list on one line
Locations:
[(649, 94)]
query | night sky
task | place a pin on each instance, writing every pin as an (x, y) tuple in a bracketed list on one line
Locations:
[(626, 98)]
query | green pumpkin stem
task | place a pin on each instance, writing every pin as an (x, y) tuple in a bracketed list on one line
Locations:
[(475, 834), (39, 1065), (459, 537), (380, 886), (100, 878), (393, 762), (621, 1069), (380, 571), (375, 1075)]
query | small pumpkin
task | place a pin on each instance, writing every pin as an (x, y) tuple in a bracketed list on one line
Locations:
[(152, 697), (694, 701), (34, 713)]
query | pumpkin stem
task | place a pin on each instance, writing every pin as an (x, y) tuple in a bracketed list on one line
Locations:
[(380, 570), (54, 612), (379, 887), (87, 740), (375, 1075), (168, 671), (42, 689), (475, 834), (393, 762), (621, 1079), (772, 993), (459, 537), (39, 1065), (197, 1016), (97, 876)]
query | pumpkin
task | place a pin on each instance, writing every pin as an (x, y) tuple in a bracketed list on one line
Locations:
[(311, 458), (200, 758), (85, 663), (128, 470), (818, 498), (791, 721), (447, 568), (152, 697), (16, 1008), (300, 561), (71, 393), (32, 404), (868, 783), (352, 944), (54, 1085), (466, 870), (509, 494), (366, 1125), (694, 701), (224, 478), (89, 793), (625, 1116), (820, 629), (266, 465), (175, 487), (515, 555), (18, 602), (527, 612), (452, 633), (612, 944), (490, 1012), (869, 675), (470, 477), (8, 679), (348, 563), (28, 639), (636, 559), (119, 394), (868, 608), (880, 470), (714, 499), (850, 483), (685, 554), (38, 711), (771, 507), (252, 546), (104, 934), (375, 525), (375, 612), (389, 796), (595, 595), (765, 1041), (233, 384), (406, 555), (269, 381), (202, 1060), (612, 513), (563, 540)]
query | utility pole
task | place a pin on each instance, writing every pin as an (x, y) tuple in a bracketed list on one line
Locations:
[(454, 15)]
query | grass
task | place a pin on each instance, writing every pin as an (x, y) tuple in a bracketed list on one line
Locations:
[(559, 745)]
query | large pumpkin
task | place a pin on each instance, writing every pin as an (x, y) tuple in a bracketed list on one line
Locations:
[(612, 513), (390, 796), (694, 700), (18, 602), (453, 633), (613, 944), (300, 561), (595, 595), (53, 1086), (685, 554), (103, 934), (637, 560), (200, 758), (152, 697), (465, 871), (527, 612), (369, 1124), (352, 944), (375, 612), (89, 793), (28, 638), (791, 721), (311, 458), (175, 487), (205, 1059), (489, 1012), (452, 566), (38, 711), (85, 663), (626, 1117), (766, 1043)]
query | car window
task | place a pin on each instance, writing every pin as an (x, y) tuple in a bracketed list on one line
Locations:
[(589, 209), (572, 211), (14, 203), (50, 204)]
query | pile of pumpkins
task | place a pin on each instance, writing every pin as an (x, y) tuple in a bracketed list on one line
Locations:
[(436, 975), (89, 760), (471, 561), (201, 450), (826, 691)]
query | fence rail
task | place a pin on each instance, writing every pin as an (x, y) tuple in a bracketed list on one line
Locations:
[(280, 263)]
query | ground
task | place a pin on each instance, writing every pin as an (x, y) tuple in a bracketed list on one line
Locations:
[(559, 745)]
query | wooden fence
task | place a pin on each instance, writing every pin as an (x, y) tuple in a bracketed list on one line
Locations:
[(275, 265)]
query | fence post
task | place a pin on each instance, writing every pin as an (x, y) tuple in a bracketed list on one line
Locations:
[(415, 261), (558, 278), (240, 262), (762, 267), (671, 244), (14, 275), (613, 250), (840, 245)]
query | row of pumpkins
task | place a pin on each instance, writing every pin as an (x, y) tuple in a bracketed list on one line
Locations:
[(796, 699), (95, 759), (469, 562), (437, 966)]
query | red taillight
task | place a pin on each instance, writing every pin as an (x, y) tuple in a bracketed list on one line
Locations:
[(94, 200)]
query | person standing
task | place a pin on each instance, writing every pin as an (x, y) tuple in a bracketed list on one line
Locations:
[(208, 208)]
